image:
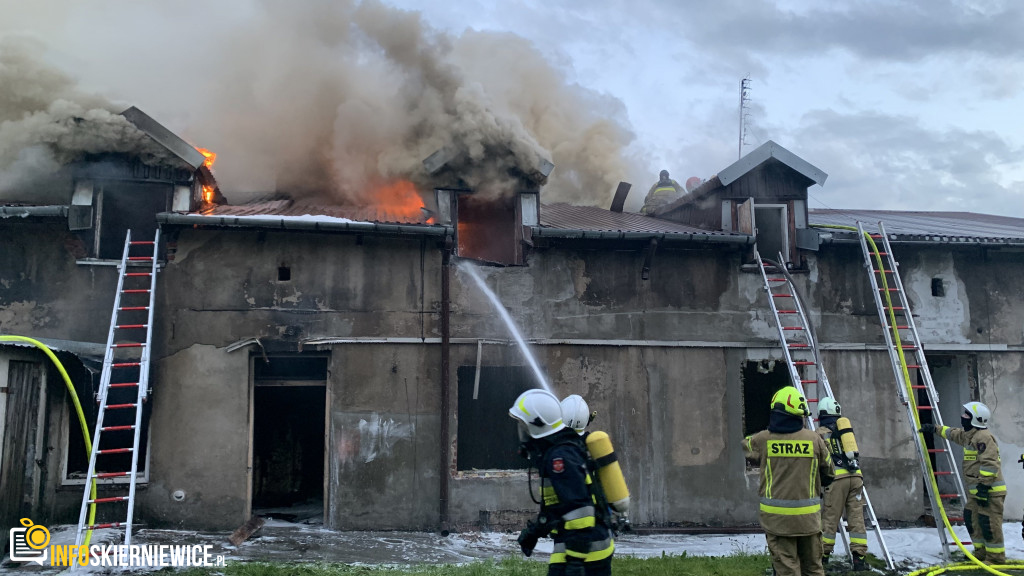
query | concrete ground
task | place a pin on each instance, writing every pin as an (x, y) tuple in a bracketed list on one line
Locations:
[(284, 541)]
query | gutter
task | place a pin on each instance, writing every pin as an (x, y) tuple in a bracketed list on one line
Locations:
[(33, 211), (667, 237), (827, 236), (283, 223)]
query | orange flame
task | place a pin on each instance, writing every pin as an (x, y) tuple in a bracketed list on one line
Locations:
[(399, 200), (211, 157), (207, 193)]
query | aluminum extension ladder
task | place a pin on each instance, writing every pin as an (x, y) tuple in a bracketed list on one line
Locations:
[(124, 386), (901, 338), (808, 370)]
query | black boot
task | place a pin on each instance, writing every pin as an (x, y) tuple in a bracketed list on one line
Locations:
[(859, 564)]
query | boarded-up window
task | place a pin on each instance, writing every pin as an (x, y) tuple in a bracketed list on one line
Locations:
[(487, 436)]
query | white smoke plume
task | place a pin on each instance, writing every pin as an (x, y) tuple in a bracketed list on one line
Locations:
[(350, 95), (45, 122)]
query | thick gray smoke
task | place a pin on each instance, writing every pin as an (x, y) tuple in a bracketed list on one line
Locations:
[(45, 122), (332, 99), (336, 98)]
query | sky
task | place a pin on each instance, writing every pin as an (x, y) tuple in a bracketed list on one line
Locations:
[(905, 104)]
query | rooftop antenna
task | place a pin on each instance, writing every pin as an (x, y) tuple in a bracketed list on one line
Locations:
[(744, 113)]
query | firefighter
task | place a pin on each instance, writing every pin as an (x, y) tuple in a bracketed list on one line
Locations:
[(983, 514), (577, 413), (795, 464), (845, 494), (583, 540), (662, 193)]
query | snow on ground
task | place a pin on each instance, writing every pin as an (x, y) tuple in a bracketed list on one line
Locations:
[(280, 541)]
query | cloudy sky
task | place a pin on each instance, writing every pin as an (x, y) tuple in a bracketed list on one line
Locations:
[(910, 105)]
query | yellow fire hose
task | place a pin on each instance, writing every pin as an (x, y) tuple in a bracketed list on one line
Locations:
[(78, 410), (975, 563)]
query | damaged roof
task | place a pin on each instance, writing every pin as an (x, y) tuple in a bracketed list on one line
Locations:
[(568, 221), (966, 227), (290, 214)]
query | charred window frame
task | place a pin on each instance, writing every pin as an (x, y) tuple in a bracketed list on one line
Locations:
[(487, 439), (103, 210)]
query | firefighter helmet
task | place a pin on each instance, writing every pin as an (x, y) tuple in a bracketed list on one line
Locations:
[(978, 413), (829, 406), (790, 401), (539, 411), (576, 413)]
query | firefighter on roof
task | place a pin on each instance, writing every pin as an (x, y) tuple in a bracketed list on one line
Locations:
[(568, 510), (662, 193), (795, 463), (845, 494), (983, 476)]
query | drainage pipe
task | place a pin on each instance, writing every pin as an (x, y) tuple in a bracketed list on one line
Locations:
[(445, 474)]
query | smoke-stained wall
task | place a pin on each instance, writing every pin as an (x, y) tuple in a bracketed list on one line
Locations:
[(660, 360)]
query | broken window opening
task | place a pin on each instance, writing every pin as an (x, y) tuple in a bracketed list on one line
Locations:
[(484, 443), (938, 288), (760, 380), (76, 459)]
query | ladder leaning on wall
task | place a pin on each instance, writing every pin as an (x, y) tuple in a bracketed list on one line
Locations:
[(122, 394), (807, 372), (901, 337)]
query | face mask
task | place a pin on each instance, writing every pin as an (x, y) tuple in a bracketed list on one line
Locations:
[(965, 421)]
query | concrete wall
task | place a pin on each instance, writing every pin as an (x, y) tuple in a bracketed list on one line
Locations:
[(659, 360)]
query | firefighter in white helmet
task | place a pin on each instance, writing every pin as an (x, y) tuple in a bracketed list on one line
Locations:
[(583, 543), (983, 475), (795, 465), (577, 413), (845, 494)]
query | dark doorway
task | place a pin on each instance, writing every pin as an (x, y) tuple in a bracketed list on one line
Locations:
[(772, 229), (288, 447)]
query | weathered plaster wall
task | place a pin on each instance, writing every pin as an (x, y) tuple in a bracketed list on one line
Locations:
[(199, 444), (674, 412), (43, 292), (384, 461)]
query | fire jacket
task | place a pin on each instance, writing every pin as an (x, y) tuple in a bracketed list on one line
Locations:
[(568, 506), (981, 457), (792, 468), (661, 194), (840, 462)]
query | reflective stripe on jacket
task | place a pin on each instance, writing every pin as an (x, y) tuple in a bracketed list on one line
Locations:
[(982, 464), (792, 466), (567, 498)]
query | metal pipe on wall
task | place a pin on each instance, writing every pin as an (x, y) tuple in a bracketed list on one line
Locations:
[(445, 475)]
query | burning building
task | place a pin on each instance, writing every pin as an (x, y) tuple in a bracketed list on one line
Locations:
[(334, 358)]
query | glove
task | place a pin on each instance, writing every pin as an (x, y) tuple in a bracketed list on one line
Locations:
[(928, 428), (528, 539), (574, 568), (1021, 459), (982, 495)]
